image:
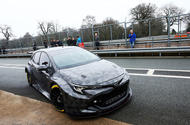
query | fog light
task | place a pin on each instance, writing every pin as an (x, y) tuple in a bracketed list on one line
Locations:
[(95, 101)]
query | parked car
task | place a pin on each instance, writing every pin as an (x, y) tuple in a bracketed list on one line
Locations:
[(77, 81)]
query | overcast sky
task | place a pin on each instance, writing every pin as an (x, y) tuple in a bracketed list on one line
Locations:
[(23, 15)]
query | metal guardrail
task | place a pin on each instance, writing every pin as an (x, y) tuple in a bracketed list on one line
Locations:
[(144, 40), (123, 51), (15, 55), (160, 39), (178, 51), (138, 41), (23, 49), (143, 50)]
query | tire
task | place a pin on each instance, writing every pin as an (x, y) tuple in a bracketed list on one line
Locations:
[(30, 79), (57, 98)]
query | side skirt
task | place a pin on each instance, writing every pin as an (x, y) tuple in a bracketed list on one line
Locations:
[(45, 93)]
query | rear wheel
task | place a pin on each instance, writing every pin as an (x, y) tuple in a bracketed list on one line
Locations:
[(57, 98)]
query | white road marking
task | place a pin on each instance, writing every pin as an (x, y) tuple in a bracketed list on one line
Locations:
[(11, 67), (175, 70), (22, 65), (150, 72), (164, 76)]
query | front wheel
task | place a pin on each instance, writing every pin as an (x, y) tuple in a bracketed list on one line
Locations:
[(57, 98)]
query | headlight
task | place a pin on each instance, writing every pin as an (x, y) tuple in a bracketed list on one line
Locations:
[(78, 88), (126, 74), (126, 77)]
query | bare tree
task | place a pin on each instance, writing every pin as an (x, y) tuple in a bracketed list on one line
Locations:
[(45, 28), (143, 11), (7, 33), (172, 11), (87, 24), (70, 32), (88, 21), (111, 25), (55, 28)]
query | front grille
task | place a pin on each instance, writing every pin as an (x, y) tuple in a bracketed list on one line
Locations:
[(114, 99), (113, 96)]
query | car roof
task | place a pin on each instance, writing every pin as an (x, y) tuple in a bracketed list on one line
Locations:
[(53, 49)]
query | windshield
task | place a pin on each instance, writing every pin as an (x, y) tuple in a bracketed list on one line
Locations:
[(70, 57)]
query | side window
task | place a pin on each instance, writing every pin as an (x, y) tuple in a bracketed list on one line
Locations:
[(36, 57), (44, 59)]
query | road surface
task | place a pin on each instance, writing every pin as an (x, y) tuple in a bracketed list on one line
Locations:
[(161, 89)]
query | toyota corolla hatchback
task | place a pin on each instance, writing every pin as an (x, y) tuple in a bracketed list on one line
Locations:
[(77, 81)]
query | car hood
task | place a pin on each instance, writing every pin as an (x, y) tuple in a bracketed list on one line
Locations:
[(94, 73)]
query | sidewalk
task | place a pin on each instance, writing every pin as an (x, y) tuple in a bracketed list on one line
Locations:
[(18, 110)]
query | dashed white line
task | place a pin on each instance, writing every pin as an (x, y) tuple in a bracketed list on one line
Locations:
[(150, 72), (159, 69), (164, 76)]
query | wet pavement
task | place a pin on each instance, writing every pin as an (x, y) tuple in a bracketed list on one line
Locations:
[(156, 100)]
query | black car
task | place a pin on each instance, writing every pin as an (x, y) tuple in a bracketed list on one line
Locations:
[(77, 81)]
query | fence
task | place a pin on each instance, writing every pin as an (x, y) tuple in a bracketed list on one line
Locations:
[(148, 29)]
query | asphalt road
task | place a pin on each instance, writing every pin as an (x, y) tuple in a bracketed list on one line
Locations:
[(156, 63), (156, 100)]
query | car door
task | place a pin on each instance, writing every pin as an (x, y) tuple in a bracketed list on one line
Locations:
[(45, 74), (35, 65)]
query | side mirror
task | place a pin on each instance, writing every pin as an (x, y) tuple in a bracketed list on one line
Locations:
[(42, 68), (45, 63)]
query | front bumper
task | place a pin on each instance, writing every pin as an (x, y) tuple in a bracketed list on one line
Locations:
[(84, 108)]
